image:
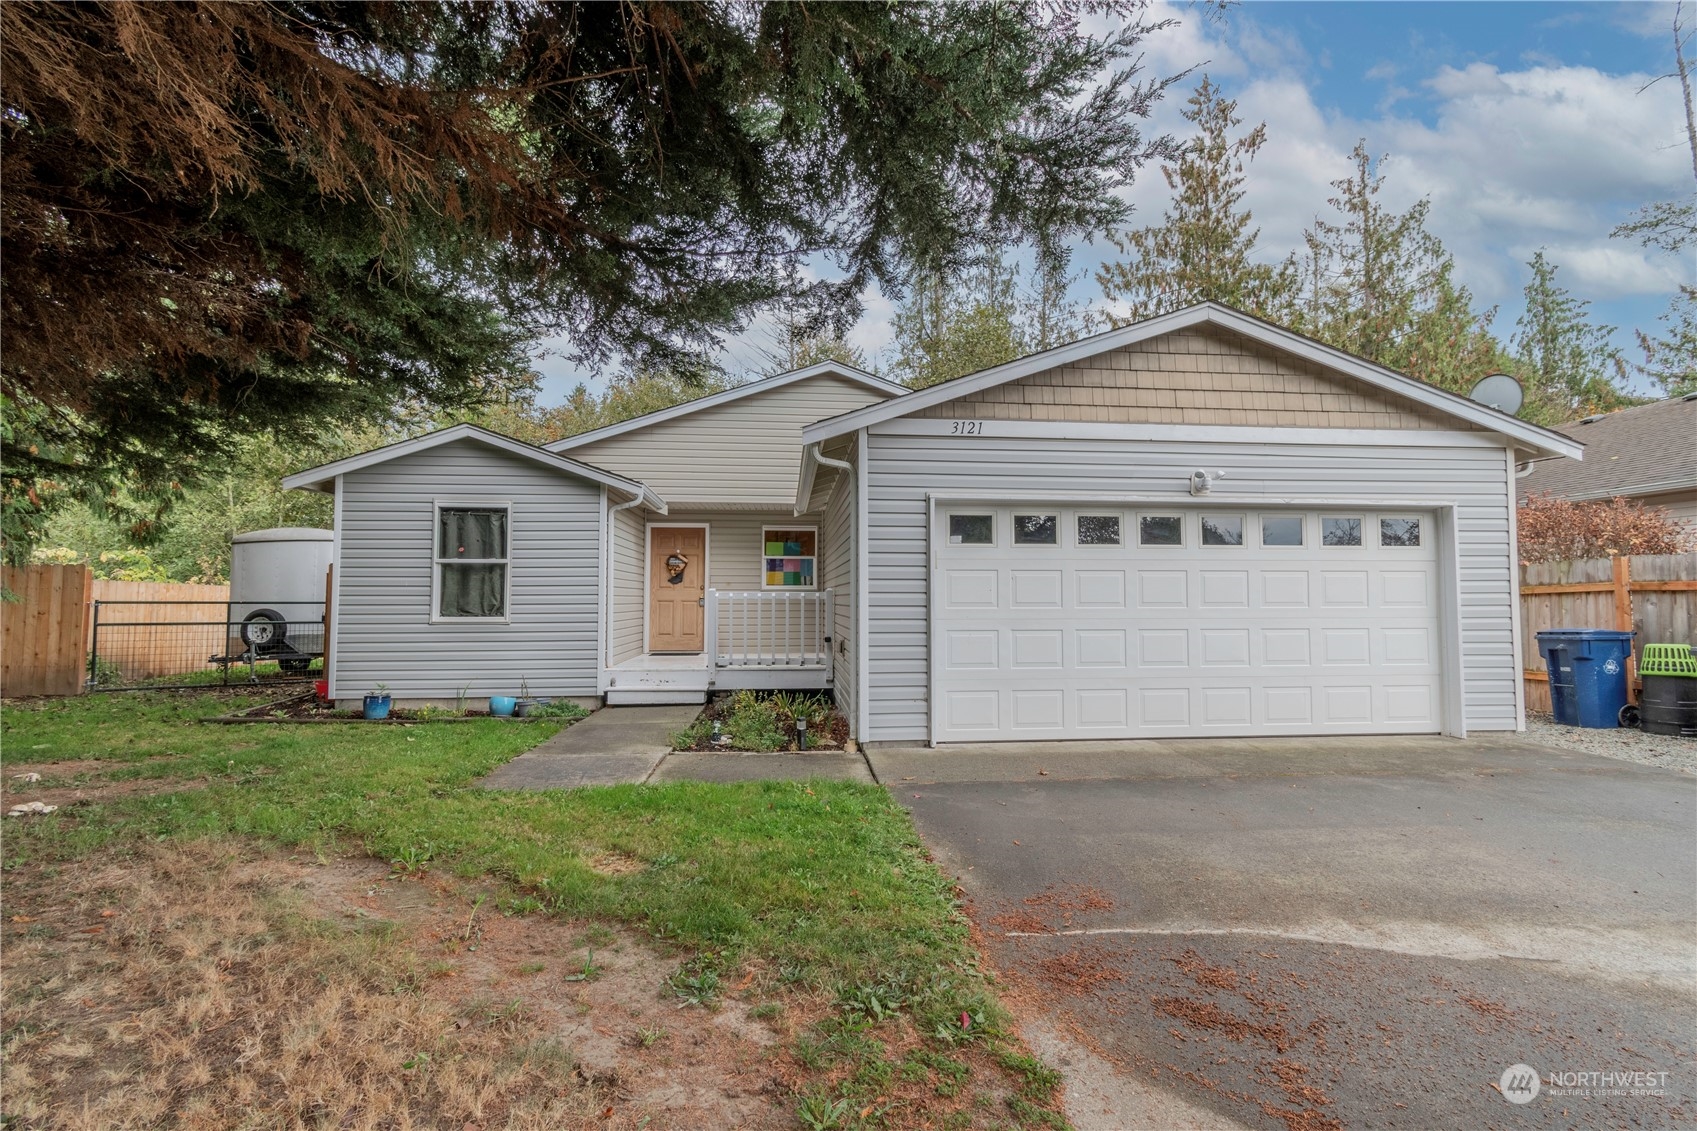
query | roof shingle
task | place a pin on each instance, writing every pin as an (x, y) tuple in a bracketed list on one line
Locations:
[(1643, 450)]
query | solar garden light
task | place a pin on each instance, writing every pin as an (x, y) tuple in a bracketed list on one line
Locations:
[(801, 734)]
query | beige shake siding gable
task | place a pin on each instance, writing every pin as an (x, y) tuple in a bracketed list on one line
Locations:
[(1198, 376)]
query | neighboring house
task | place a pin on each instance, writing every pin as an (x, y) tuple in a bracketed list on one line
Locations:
[(1648, 453), (1200, 524)]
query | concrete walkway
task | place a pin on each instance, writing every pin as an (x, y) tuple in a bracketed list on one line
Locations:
[(613, 746), (706, 766), (1199, 758)]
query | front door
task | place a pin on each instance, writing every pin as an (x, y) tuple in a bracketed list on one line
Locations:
[(677, 587)]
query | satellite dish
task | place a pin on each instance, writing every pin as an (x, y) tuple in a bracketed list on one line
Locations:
[(1498, 391)]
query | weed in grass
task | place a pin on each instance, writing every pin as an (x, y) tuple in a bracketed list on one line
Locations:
[(876, 1000), (819, 1112), (532, 967), (951, 1073), (1037, 1080), (1030, 1115), (588, 972), (767, 1009), (521, 905), (647, 1036), (811, 1052), (414, 858), (695, 988)]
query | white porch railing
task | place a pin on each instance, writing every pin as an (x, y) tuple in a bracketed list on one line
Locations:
[(770, 628)]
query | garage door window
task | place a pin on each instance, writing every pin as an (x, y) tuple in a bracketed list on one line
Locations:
[(1222, 530), (1098, 530), (1160, 530), (972, 530), (1034, 529), (1281, 530), (1399, 532), (1340, 531)]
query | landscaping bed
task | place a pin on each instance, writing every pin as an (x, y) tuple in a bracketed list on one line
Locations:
[(308, 708), (759, 722)]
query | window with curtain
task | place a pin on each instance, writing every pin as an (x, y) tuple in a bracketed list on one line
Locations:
[(471, 561)]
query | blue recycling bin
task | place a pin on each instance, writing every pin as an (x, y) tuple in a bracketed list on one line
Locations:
[(1587, 674)]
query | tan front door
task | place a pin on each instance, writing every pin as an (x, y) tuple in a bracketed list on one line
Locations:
[(677, 584)]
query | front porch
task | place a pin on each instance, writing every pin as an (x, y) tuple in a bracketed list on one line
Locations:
[(764, 640)]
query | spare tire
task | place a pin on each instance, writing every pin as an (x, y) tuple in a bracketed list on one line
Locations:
[(264, 630)]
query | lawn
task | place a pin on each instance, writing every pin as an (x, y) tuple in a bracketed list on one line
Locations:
[(816, 891)]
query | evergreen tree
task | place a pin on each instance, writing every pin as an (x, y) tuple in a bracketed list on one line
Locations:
[(1670, 360), (1202, 250), (273, 217), (1377, 284), (947, 328), (1566, 361)]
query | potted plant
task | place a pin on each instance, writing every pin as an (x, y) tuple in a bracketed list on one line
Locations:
[(526, 704), (502, 706), (378, 702)]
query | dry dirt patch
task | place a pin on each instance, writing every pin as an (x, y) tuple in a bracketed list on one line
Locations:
[(210, 983), (71, 783)]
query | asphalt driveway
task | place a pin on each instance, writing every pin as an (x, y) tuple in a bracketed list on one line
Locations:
[(1310, 934)]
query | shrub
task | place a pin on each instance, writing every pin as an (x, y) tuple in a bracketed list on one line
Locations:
[(1554, 530)]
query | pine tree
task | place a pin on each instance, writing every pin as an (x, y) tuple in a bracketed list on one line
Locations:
[(1566, 361), (1377, 284), (1202, 251), (947, 328)]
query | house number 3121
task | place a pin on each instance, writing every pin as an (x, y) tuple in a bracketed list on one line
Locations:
[(967, 428)]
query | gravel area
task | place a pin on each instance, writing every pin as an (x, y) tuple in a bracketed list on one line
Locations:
[(1668, 751)]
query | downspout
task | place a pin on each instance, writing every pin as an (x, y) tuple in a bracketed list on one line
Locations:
[(607, 575), (822, 460)]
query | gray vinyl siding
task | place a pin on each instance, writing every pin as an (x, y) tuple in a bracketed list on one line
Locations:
[(840, 576), (383, 630), (902, 470), (742, 452), (629, 533), (1682, 505)]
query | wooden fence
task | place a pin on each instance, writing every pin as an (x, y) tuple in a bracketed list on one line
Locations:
[(179, 644), (1653, 596), (47, 632), (43, 632)]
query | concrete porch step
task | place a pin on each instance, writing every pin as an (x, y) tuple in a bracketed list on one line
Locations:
[(653, 697)]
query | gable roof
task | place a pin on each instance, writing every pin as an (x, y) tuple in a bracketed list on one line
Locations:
[(765, 384), (1541, 441), (1636, 451), (322, 477)]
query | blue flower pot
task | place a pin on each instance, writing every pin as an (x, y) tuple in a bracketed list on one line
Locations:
[(501, 706), (377, 707)]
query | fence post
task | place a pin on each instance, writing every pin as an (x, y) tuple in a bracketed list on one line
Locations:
[(1621, 582), (329, 591), (93, 644)]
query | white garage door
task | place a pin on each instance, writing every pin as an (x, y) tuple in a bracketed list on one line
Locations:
[(1101, 622)]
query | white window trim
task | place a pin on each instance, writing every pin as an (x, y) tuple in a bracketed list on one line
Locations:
[(1261, 531), (1090, 547), (1420, 526), (1365, 518), (979, 512), (1242, 542), (1183, 539), (1015, 514), (437, 506), (815, 555)]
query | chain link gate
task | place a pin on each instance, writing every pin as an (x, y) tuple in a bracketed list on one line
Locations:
[(188, 644)]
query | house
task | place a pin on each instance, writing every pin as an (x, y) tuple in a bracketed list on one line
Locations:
[(1648, 453), (1200, 524)]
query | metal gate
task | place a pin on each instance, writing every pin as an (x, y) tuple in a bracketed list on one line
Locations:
[(186, 644)]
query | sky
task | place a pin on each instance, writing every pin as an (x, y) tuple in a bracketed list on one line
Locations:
[(1527, 125)]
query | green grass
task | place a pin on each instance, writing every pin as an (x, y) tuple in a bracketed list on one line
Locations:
[(826, 882)]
